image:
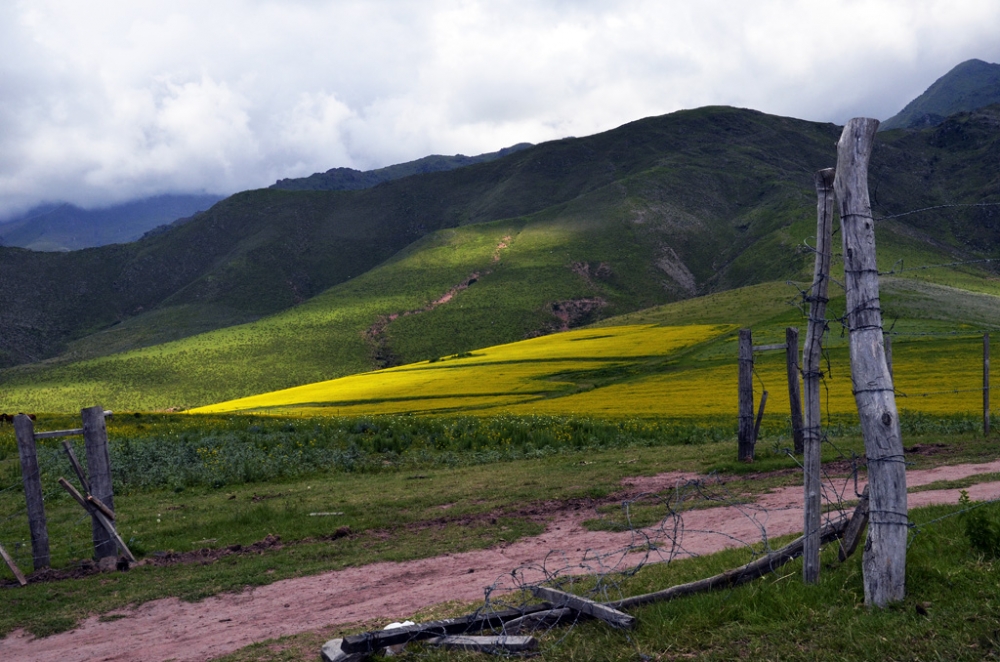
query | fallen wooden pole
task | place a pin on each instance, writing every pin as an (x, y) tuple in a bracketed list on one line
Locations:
[(486, 644), (369, 642), (609, 615), (99, 517), (731, 578), (753, 570), (13, 567)]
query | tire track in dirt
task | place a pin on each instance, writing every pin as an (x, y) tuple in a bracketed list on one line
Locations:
[(172, 629)]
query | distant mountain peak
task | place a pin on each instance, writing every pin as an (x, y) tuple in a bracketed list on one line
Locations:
[(349, 179), (969, 86)]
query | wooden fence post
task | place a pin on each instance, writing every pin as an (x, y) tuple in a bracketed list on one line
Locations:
[(884, 561), (794, 395), (986, 384), (95, 435), (887, 343), (24, 429), (745, 438), (811, 355)]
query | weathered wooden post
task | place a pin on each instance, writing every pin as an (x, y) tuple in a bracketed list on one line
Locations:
[(24, 429), (986, 384), (745, 393), (95, 435), (811, 355), (794, 395), (888, 352), (884, 562)]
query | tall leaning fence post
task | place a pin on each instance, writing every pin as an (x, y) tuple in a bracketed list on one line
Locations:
[(95, 435), (884, 561), (745, 394), (811, 355), (24, 429), (794, 394)]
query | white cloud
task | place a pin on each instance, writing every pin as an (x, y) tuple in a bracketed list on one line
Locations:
[(106, 100)]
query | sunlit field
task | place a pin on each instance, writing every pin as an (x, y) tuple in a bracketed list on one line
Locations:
[(639, 370)]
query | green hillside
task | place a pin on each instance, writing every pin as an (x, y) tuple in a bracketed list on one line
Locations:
[(971, 85), (316, 285), (701, 192)]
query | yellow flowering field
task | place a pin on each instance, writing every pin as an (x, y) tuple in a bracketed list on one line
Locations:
[(501, 377), (640, 370)]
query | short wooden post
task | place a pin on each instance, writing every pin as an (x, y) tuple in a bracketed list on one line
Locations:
[(887, 342), (760, 417), (794, 395), (884, 561), (745, 393), (986, 384), (811, 355), (24, 429), (95, 435)]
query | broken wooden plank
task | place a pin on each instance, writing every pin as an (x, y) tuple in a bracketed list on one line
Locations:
[(332, 652), (99, 516), (369, 642), (730, 578), (540, 619), (482, 644), (609, 615), (856, 527), (13, 567), (58, 433)]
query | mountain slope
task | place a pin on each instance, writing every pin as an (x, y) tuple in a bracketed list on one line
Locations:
[(656, 211), (68, 227), (713, 182), (969, 86)]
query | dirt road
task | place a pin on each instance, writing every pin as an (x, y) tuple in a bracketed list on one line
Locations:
[(170, 629)]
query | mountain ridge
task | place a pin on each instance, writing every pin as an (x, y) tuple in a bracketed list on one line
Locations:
[(969, 86)]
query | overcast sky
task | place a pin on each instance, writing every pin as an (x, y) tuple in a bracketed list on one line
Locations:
[(107, 100)]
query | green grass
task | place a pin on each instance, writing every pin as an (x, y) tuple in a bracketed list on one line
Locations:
[(419, 470)]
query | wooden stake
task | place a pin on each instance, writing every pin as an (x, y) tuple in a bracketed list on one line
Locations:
[(24, 429), (811, 355), (13, 567), (884, 562), (95, 435), (887, 342), (745, 395), (794, 394)]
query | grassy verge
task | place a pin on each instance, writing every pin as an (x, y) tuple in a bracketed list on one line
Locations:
[(395, 506)]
